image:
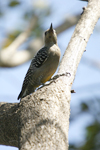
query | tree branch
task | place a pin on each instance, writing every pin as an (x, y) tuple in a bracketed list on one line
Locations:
[(10, 57), (79, 40), (69, 22)]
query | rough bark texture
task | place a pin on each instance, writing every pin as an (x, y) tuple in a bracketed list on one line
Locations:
[(80, 37), (44, 115), (44, 118), (9, 124)]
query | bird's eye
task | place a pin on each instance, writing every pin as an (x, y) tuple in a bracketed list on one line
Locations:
[(45, 33)]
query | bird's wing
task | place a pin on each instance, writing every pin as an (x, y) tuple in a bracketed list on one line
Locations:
[(36, 62), (40, 58)]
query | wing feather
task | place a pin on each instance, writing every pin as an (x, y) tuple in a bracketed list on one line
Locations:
[(36, 62)]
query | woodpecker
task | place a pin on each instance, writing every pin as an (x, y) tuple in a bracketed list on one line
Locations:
[(43, 65)]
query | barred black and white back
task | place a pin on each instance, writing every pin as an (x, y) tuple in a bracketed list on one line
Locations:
[(36, 62)]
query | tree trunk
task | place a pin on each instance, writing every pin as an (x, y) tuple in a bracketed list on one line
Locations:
[(9, 114)]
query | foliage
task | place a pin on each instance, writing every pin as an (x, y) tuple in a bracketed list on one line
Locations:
[(92, 137), (41, 10), (14, 3), (10, 37)]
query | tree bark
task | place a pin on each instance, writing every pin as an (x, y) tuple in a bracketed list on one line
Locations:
[(9, 124), (44, 115)]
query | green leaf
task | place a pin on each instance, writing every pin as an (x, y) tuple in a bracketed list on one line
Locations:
[(13, 3), (84, 107)]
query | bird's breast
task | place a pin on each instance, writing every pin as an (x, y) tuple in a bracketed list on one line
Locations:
[(54, 51)]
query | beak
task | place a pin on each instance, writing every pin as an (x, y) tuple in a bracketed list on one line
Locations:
[(51, 28)]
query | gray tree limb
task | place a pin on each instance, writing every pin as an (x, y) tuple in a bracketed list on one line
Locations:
[(10, 57), (44, 115)]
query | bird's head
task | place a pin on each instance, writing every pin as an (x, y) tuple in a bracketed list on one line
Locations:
[(50, 36)]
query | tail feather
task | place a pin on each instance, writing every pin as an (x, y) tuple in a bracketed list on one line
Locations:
[(22, 94), (25, 92)]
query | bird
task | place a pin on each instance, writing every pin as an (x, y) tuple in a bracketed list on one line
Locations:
[(43, 65)]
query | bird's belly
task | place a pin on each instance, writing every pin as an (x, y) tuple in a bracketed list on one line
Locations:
[(46, 71), (49, 71), (46, 78)]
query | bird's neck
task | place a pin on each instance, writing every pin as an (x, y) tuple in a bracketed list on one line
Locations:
[(50, 44)]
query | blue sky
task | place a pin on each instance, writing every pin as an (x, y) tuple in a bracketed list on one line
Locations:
[(87, 80)]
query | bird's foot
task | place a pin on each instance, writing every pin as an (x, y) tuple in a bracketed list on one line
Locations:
[(59, 75)]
